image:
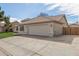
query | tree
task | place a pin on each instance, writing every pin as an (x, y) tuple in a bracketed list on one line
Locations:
[(6, 19), (7, 23), (1, 14)]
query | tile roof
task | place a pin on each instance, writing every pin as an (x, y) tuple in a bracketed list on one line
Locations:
[(43, 19)]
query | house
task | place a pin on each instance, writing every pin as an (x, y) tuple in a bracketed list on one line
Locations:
[(1, 27), (76, 24), (24, 20), (43, 26), (14, 24)]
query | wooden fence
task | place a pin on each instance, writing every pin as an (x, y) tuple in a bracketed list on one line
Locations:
[(71, 30)]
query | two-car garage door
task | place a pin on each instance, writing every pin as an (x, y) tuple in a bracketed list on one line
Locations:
[(40, 29)]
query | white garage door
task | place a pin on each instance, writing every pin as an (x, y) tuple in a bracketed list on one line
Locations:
[(39, 29)]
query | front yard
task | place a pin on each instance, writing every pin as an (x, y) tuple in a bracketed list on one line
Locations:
[(6, 34)]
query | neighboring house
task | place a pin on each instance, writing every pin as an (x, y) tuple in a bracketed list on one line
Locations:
[(24, 20), (43, 25), (14, 25), (76, 24), (1, 27)]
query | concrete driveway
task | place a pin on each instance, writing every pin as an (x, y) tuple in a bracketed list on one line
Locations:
[(40, 46)]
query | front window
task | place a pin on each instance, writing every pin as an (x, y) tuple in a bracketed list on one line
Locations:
[(21, 28), (16, 28)]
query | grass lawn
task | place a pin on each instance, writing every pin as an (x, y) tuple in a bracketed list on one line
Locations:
[(6, 34)]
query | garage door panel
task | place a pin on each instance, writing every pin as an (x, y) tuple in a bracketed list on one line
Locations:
[(40, 29)]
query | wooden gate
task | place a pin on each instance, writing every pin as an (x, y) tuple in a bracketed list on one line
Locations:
[(71, 30)]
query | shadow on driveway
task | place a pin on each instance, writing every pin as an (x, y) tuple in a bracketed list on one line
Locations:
[(62, 39)]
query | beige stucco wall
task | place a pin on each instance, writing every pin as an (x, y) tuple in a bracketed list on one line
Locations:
[(26, 29), (57, 29)]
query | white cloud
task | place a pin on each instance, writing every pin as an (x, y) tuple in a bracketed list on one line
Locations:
[(69, 8), (52, 7), (14, 19)]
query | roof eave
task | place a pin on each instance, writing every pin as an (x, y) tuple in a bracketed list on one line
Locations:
[(40, 22)]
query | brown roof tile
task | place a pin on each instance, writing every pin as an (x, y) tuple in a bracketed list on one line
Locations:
[(43, 19)]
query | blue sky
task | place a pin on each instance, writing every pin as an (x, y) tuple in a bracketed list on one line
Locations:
[(30, 10)]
